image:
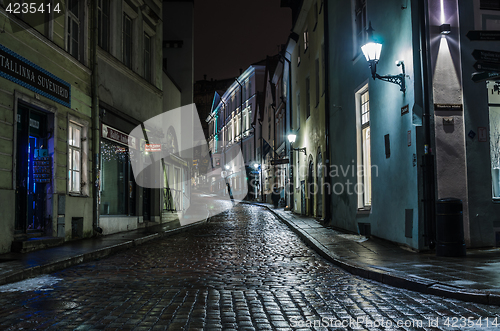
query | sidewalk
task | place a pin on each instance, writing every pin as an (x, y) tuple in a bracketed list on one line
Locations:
[(18, 266), (474, 278)]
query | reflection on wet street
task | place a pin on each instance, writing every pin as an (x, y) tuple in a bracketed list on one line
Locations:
[(242, 270)]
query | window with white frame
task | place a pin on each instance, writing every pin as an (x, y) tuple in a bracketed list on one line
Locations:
[(323, 66), (127, 41), (308, 97), (75, 158), (316, 67), (364, 149), (147, 57), (298, 55), (74, 29), (298, 111), (360, 24), (103, 24), (306, 40)]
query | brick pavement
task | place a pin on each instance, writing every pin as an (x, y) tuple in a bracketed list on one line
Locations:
[(243, 270), (472, 278)]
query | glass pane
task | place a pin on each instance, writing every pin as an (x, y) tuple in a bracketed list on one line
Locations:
[(76, 160), (70, 156), (76, 137), (76, 181), (114, 183), (367, 181), (69, 181), (70, 135), (495, 149)]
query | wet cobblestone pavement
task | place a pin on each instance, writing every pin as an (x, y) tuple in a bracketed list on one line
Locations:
[(244, 270)]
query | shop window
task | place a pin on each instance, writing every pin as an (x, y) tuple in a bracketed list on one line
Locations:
[(364, 150), (494, 108), (495, 149), (117, 183)]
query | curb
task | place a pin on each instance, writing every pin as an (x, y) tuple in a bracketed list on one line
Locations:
[(392, 278), (86, 257)]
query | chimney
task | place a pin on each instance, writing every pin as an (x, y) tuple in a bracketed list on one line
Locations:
[(205, 77)]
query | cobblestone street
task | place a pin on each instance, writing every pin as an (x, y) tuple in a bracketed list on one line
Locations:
[(243, 270)]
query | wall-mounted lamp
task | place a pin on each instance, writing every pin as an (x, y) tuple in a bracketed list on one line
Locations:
[(445, 29), (291, 139), (371, 51)]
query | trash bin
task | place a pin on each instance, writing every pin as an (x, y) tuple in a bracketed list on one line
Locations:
[(449, 228)]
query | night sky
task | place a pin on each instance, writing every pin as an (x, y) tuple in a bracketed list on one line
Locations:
[(232, 34)]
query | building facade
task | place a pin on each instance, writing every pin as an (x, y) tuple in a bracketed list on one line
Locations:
[(232, 124), (408, 146), (67, 112), (45, 93), (308, 120)]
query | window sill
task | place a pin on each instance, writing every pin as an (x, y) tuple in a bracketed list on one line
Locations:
[(77, 195), (496, 200), (364, 211)]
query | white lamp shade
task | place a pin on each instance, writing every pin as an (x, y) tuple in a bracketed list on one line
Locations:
[(291, 138), (372, 51)]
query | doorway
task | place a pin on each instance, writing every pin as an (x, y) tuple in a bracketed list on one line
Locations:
[(310, 188), (319, 176), (33, 170)]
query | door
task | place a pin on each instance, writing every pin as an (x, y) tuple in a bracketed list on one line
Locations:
[(33, 167), (319, 176)]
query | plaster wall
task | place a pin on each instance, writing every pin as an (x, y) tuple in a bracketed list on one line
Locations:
[(77, 207), (484, 211), (310, 130), (115, 83), (48, 53), (394, 177), (7, 221), (114, 224), (178, 25)]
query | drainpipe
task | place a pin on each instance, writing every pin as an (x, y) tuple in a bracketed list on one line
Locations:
[(96, 148), (428, 157), (289, 126), (328, 198)]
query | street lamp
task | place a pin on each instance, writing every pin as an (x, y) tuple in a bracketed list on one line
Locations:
[(291, 138), (371, 51)]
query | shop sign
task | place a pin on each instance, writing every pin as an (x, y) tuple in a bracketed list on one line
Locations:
[(448, 107), (483, 35), (279, 161), (27, 74), (405, 110), (152, 147), (482, 76), (117, 136), (482, 134)]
